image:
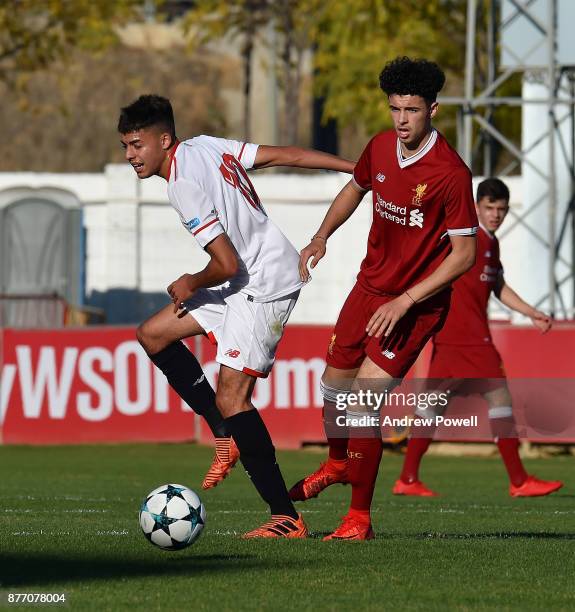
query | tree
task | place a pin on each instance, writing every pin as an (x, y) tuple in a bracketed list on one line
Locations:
[(354, 39), (71, 126), (294, 24), (34, 34), (214, 19)]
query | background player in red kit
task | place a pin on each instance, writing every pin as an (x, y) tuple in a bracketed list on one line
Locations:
[(464, 349), (421, 239)]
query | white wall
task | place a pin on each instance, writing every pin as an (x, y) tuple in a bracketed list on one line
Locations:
[(135, 239)]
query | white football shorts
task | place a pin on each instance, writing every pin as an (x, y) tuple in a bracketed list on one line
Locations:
[(246, 333)]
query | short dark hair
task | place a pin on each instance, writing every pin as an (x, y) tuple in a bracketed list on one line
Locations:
[(146, 111), (412, 77), (492, 189)]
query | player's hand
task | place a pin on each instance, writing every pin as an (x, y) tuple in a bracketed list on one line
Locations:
[(385, 318), (180, 291), (315, 250), (541, 321)]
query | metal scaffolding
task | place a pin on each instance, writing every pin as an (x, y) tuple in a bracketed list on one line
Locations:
[(538, 55)]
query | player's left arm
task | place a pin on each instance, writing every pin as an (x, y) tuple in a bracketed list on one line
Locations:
[(461, 259), (512, 300), (268, 156)]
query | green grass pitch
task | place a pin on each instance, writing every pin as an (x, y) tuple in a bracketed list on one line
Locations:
[(68, 523)]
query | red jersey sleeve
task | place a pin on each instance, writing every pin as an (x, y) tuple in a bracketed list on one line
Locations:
[(460, 215), (362, 170)]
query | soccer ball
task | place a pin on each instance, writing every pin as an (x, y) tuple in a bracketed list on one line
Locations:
[(172, 517)]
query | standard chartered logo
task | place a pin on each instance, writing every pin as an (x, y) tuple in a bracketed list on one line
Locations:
[(416, 218), (398, 214)]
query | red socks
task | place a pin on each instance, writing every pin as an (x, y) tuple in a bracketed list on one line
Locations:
[(509, 449), (364, 456), (416, 448), (337, 449), (338, 444)]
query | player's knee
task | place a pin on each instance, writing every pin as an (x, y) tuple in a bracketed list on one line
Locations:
[(148, 338), (227, 403)]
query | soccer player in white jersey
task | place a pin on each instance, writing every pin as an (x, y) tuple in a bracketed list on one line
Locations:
[(241, 300)]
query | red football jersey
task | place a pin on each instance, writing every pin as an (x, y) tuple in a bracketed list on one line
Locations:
[(417, 202), (467, 322)]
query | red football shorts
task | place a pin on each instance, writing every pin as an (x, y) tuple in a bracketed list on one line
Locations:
[(452, 366), (459, 361), (350, 343)]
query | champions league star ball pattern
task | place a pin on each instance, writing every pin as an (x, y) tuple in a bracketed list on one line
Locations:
[(172, 517)]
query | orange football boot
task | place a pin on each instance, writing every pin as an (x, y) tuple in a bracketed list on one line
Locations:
[(280, 526), (352, 529), (533, 487), (327, 474), (416, 488), (226, 456)]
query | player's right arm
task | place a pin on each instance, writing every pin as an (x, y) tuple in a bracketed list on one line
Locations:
[(222, 266), (296, 157), (346, 201)]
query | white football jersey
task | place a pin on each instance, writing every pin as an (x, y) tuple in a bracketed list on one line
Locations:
[(210, 189)]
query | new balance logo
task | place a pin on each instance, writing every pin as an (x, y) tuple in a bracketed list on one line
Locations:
[(380, 177), (416, 218), (387, 353), (233, 353)]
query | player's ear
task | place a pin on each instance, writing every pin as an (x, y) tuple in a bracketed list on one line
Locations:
[(166, 140), (433, 109)]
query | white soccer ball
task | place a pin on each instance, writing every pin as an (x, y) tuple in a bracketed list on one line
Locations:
[(172, 517)]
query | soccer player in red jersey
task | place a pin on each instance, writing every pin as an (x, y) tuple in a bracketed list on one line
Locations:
[(464, 349), (421, 239)]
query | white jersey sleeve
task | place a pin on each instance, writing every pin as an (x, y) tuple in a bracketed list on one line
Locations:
[(244, 152), (197, 212)]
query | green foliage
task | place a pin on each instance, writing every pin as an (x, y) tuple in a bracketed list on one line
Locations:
[(355, 39), (34, 34), (214, 19), (352, 41)]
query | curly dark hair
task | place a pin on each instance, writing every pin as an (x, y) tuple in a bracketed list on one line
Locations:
[(414, 77), (146, 111)]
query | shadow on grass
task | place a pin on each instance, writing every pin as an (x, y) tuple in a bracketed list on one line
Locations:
[(496, 535), (37, 569)]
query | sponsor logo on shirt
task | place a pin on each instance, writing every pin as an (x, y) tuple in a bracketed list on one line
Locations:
[(390, 211), (416, 218), (489, 274), (189, 225), (233, 353), (380, 177), (389, 354), (419, 193), (398, 214)]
